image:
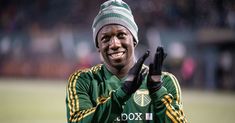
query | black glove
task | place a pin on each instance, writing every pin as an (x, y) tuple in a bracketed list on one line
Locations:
[(155, 70), (134, 78)]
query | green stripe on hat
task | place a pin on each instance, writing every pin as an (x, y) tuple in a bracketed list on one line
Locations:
[(110, 15), (114, 3)]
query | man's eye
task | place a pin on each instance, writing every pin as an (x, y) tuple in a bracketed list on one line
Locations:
[(105, 39), (121, 35)]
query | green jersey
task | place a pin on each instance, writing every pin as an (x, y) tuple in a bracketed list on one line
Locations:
[(95, 95)]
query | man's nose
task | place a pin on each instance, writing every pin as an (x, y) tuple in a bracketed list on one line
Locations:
[(115, 43)]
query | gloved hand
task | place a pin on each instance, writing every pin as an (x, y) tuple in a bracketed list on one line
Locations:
[(155, 71), (134, 78)]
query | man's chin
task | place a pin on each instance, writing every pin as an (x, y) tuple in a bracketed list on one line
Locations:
[(118, 65)]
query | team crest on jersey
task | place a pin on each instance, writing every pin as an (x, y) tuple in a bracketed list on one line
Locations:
[(141, 97)]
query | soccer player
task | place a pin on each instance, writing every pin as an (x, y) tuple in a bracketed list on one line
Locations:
[(122, 88)]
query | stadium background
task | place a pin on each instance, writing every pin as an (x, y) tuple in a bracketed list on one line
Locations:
[(43, 41)]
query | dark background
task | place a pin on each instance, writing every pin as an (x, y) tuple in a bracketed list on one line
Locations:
[(53, 38)]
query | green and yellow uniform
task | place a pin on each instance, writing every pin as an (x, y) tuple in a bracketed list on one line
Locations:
[(94, 95)]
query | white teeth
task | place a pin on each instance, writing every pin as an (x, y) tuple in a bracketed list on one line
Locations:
[(117, 55)]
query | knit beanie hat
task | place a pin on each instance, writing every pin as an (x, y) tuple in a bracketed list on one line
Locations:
[(114, 12)]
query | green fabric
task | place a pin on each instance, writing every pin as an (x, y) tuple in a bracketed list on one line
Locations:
[(94, 95)]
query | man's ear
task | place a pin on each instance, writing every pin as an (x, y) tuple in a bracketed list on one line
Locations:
[(97, 47), (135, 43)]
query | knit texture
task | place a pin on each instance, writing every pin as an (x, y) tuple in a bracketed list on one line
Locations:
[(114, 12)]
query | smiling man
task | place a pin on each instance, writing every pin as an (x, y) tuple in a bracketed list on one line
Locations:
[(116, 45), (122, 89)]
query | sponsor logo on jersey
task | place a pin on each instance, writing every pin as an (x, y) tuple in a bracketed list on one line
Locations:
[(148, 116), (135, 116), (141, 97)]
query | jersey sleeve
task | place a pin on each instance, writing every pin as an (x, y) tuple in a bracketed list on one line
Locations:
[(80, 107), (167, 101)]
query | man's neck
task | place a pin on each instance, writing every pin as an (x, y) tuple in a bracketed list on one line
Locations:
[(121, 71)]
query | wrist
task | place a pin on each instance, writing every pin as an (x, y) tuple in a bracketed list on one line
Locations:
[(154, 83), (154, 86), (156, 78), (158, 95)]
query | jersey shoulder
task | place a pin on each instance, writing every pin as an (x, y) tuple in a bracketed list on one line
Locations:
[(172, 85), (85, 73)]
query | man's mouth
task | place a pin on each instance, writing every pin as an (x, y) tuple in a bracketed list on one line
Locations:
[(116, 55)]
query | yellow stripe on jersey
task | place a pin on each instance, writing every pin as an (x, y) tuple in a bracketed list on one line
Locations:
[(171, 117), (102, 100), (83, 114), (179, 98), (176, 84), (73, 99), (71, 92), (171, 112), (179, 89)]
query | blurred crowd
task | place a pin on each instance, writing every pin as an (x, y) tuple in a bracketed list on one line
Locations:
[(53, 38)]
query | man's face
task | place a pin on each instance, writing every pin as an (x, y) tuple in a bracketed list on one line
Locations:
[(116, 45)]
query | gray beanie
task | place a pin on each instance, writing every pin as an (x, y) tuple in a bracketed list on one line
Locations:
[(114, 12)]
